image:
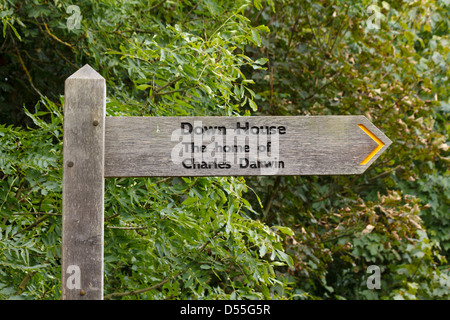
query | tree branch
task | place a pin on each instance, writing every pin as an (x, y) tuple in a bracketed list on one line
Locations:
[(55, 37), (126, 228), (167, 85), (32, 225), (173, 91), (319, 43), (272, 196), (36, 213), (134, 292), (24, 282), (291, 36), (27, 72), (157, 5)]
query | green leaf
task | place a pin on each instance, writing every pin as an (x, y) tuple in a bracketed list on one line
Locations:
[(5, 25), (284, 257), (263, 28), (261, 61), (143, 86), (190, 201), (265, 291), (409, 36), (253, 105), (256, 37), (15, 31), (285, 230), (190, 71), (262, 250)]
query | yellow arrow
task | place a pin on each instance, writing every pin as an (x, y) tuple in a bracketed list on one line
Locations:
[(375, 138)]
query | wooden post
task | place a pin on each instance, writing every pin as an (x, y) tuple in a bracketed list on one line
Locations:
[(83, 186)]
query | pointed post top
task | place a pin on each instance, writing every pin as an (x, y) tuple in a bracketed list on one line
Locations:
[(86, 72), (83, 185)]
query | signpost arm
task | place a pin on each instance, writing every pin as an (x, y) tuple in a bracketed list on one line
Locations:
[(83, 186)]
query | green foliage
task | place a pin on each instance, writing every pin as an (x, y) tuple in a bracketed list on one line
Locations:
[(30, 191), (324, 59), (169, 238), (192, 233), (230, 237)]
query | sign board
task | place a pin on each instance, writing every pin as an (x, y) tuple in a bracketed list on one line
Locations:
[(97, 147), (240, 146)]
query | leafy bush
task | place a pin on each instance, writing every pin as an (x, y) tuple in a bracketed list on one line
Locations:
[(234, 237)]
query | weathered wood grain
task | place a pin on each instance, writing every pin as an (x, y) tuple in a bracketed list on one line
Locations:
[(313, 145), (83, 186)]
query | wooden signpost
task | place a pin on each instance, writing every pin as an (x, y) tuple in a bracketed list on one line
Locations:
[(97, 147), (83, 185), (240, 146)]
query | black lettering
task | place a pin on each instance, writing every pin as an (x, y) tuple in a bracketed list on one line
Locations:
[(215, 129), (245, 165), (185, 165), (192, 164), (187, 144), (254, 130), (261, 129), (238, 126), (183, 128)]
